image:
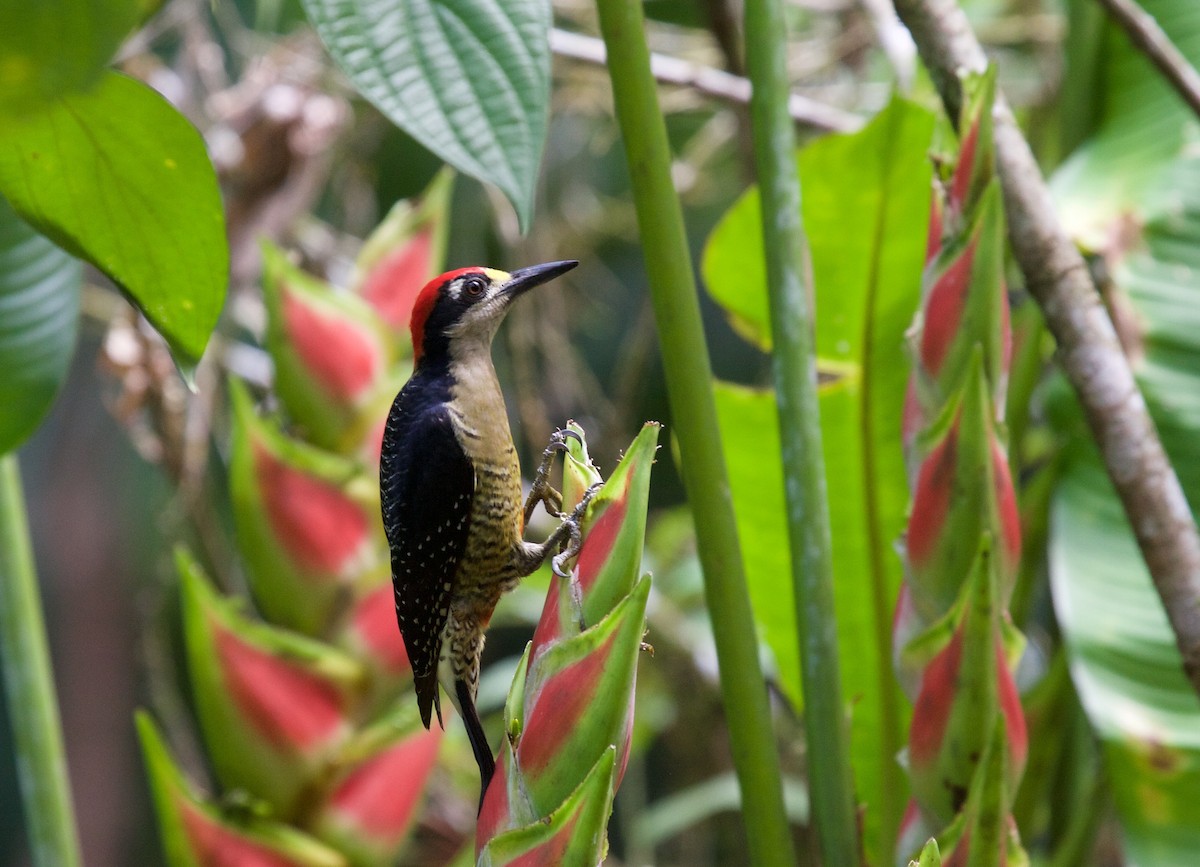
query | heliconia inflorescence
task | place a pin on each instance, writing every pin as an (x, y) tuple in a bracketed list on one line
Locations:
[(303, 699), (955, 647), (569, 714)]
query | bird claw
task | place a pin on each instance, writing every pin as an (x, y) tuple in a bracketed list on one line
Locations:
[(541, 491), (574, 525)]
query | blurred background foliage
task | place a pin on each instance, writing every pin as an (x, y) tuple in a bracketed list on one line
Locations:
[(127, 463)]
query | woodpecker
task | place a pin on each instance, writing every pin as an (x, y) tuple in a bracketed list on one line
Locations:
[(450, 486)]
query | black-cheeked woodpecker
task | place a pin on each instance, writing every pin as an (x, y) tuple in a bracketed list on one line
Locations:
[(450, 484)]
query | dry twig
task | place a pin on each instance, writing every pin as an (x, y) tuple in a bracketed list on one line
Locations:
[(711, 82), (1088, 348)]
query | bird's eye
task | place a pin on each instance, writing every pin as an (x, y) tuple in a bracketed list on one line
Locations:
[(474, 286)]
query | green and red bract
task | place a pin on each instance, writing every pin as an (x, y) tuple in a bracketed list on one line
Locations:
[(965, 689), (574, 833), (571, 705), (372, 633), (953, 644), (197, 834), (332, 352), (274, 707), (307, 522), (404, 253), (963, 488), (374, 796)]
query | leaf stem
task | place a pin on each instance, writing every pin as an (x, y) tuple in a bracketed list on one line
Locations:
[(795, 373), (29, 686), (693, 408)]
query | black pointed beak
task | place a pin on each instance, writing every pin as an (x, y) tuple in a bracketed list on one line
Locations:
[(524, 279)]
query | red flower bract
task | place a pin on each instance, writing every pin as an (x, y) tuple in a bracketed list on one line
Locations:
[(394, 283), (931, 502), (290, 708), (216, 846), (559, 704), (380, 796), (944, 309), (320, 526), (342, 357), (375, 624)]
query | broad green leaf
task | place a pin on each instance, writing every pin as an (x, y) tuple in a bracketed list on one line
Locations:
[(39, 310), (1142, 125), (117, 176), (468, 79), (1124, 662), (52, 47), (1127, 669), (866, 200)]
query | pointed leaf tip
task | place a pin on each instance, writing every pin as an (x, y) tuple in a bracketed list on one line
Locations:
[(469, 81)]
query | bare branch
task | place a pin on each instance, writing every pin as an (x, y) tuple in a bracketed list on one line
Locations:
[(711, 82), (1145, 33), (1088, 348)]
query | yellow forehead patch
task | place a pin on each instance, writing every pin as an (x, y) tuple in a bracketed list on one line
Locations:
[(497, 276)]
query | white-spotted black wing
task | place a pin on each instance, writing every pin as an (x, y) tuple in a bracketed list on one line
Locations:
[(427, 485)]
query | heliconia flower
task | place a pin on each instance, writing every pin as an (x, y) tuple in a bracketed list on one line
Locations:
[(273, 706), (574, 833), (331, 351), (404, 253), (963, 487), (964, 306), (198, 834), (372, 801), (576, 702), (963, 690), (573, 697), (307, 521), (615, 529), (975, 168)]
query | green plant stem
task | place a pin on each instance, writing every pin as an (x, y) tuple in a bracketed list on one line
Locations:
[(830, 788), (29, 687), (693, 408)]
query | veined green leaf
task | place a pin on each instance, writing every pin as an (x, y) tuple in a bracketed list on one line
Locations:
[(865, 200), (117, 176), (468, 79), (39, 310), (1126, 668), (1123, 656)]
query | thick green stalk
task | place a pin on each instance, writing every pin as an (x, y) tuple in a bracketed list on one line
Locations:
[(794, 366), (689, 386), (29, 687)]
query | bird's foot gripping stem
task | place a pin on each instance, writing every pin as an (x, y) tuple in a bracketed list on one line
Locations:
[(541, 491), (572, 528)]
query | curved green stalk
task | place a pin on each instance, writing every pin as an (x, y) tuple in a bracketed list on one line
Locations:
[(29, 687), (689, 386), (795, 371)]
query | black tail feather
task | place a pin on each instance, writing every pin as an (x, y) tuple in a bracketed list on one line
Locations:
[(479, 744), (428, 697)]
